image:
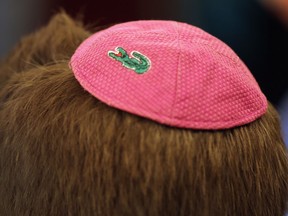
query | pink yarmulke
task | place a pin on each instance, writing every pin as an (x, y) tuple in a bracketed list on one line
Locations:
[(170, 72)]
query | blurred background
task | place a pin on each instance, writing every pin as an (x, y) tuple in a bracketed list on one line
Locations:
[(256, 29)]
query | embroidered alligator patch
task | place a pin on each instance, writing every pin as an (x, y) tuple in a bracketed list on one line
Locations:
[(138, 62)]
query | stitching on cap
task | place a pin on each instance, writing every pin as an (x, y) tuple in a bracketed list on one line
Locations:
[(177, 74)]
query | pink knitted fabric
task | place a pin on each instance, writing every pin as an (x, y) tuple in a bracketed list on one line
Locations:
[(191, 79)]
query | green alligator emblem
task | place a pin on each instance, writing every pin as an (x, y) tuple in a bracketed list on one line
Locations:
[(138, 62)]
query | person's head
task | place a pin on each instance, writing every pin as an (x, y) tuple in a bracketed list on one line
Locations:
[(64, 152)]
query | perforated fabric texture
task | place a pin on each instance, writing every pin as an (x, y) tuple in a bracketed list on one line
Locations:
[(194, 80)]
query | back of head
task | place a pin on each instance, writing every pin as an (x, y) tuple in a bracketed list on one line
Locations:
[(65, 152)]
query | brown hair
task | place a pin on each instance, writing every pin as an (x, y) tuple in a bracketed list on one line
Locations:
[(63, 152)]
